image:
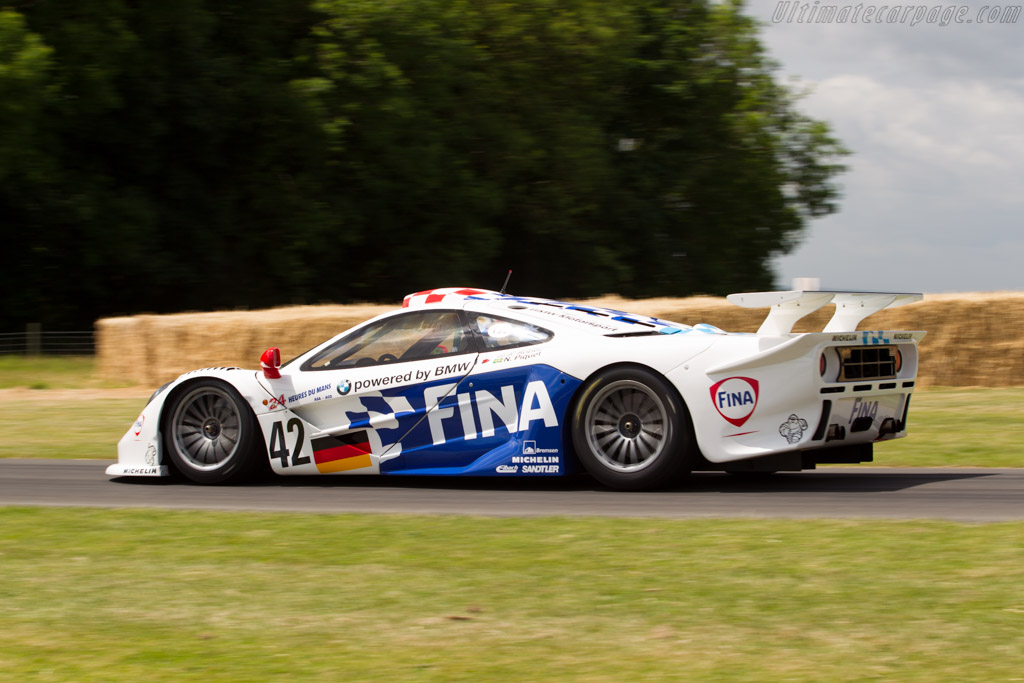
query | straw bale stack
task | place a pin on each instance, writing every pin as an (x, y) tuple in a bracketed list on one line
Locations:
[(153, 349), (973, 339)]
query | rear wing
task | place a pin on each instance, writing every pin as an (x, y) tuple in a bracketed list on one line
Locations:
[(789, 307)]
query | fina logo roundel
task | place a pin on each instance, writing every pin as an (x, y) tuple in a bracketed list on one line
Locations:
[(735, 399)]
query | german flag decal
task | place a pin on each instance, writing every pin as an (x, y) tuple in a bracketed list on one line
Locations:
[(341, 453)]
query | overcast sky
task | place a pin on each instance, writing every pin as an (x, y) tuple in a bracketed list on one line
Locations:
[(934, 116)]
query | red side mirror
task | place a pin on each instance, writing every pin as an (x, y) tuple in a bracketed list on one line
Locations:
[(270, 361)]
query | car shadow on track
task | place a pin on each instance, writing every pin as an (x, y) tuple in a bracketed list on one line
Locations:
[(827, 480)]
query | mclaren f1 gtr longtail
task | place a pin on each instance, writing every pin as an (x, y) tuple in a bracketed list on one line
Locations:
[(463, 381)]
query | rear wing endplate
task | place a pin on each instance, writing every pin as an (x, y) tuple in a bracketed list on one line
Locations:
[(789, 307)]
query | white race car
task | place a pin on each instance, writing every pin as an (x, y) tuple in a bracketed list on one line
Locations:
[(473, 382)]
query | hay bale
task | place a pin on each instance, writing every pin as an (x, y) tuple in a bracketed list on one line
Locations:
[(973, 339), (153, 349)]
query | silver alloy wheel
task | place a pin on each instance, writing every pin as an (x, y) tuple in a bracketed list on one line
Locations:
[(206, 428), (627, 426)]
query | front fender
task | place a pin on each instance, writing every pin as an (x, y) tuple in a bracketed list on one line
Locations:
[(140, 452)]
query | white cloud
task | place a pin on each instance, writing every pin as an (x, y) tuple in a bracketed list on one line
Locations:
[(932, 115), (928, 139)]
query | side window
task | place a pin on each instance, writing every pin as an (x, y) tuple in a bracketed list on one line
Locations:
[(501, 333), (413, 336)]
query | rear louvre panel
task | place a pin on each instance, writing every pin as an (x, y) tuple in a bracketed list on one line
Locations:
[(866, 362)]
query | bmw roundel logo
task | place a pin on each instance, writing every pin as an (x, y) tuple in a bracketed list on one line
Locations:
[(344, 386)]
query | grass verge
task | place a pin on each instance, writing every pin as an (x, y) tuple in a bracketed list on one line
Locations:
[(170, 595), (65, 428), (957, 427), (51, 372)]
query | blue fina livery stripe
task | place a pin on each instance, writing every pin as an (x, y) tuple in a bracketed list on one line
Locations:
[(509, 422)]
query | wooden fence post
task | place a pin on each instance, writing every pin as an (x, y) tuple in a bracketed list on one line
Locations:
[(34, 339)]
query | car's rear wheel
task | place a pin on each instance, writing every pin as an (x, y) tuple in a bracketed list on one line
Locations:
[(631, 430), (210, 434)]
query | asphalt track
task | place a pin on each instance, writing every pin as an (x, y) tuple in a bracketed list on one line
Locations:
[(967, 495)]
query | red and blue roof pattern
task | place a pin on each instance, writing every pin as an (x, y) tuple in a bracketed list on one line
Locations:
[(627, 321)]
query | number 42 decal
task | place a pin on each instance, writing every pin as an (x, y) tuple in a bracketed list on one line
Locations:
[(279, 446)]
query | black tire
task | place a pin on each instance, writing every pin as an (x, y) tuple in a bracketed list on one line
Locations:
[(631, 430), (211, 435)]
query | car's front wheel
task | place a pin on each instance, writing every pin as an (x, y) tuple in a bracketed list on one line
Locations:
[(210, 434), (631, 430)]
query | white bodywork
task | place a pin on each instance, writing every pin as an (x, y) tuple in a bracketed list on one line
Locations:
[(748, 395), (140, 450)]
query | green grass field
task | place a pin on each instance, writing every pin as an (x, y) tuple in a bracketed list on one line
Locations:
[(960, 427), (114, 595), (208, 596), (65, 428), (51, 372)]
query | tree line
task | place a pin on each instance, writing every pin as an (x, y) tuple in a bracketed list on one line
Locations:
[(198, 155)]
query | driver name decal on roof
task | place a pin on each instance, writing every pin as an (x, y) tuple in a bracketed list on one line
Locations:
[(526, 354), (593, 316), (573, 318)]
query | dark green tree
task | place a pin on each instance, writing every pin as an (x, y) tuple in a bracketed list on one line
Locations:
[(27, 91), (727, 167), (199, 155), (642, 147), (184, 170)]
